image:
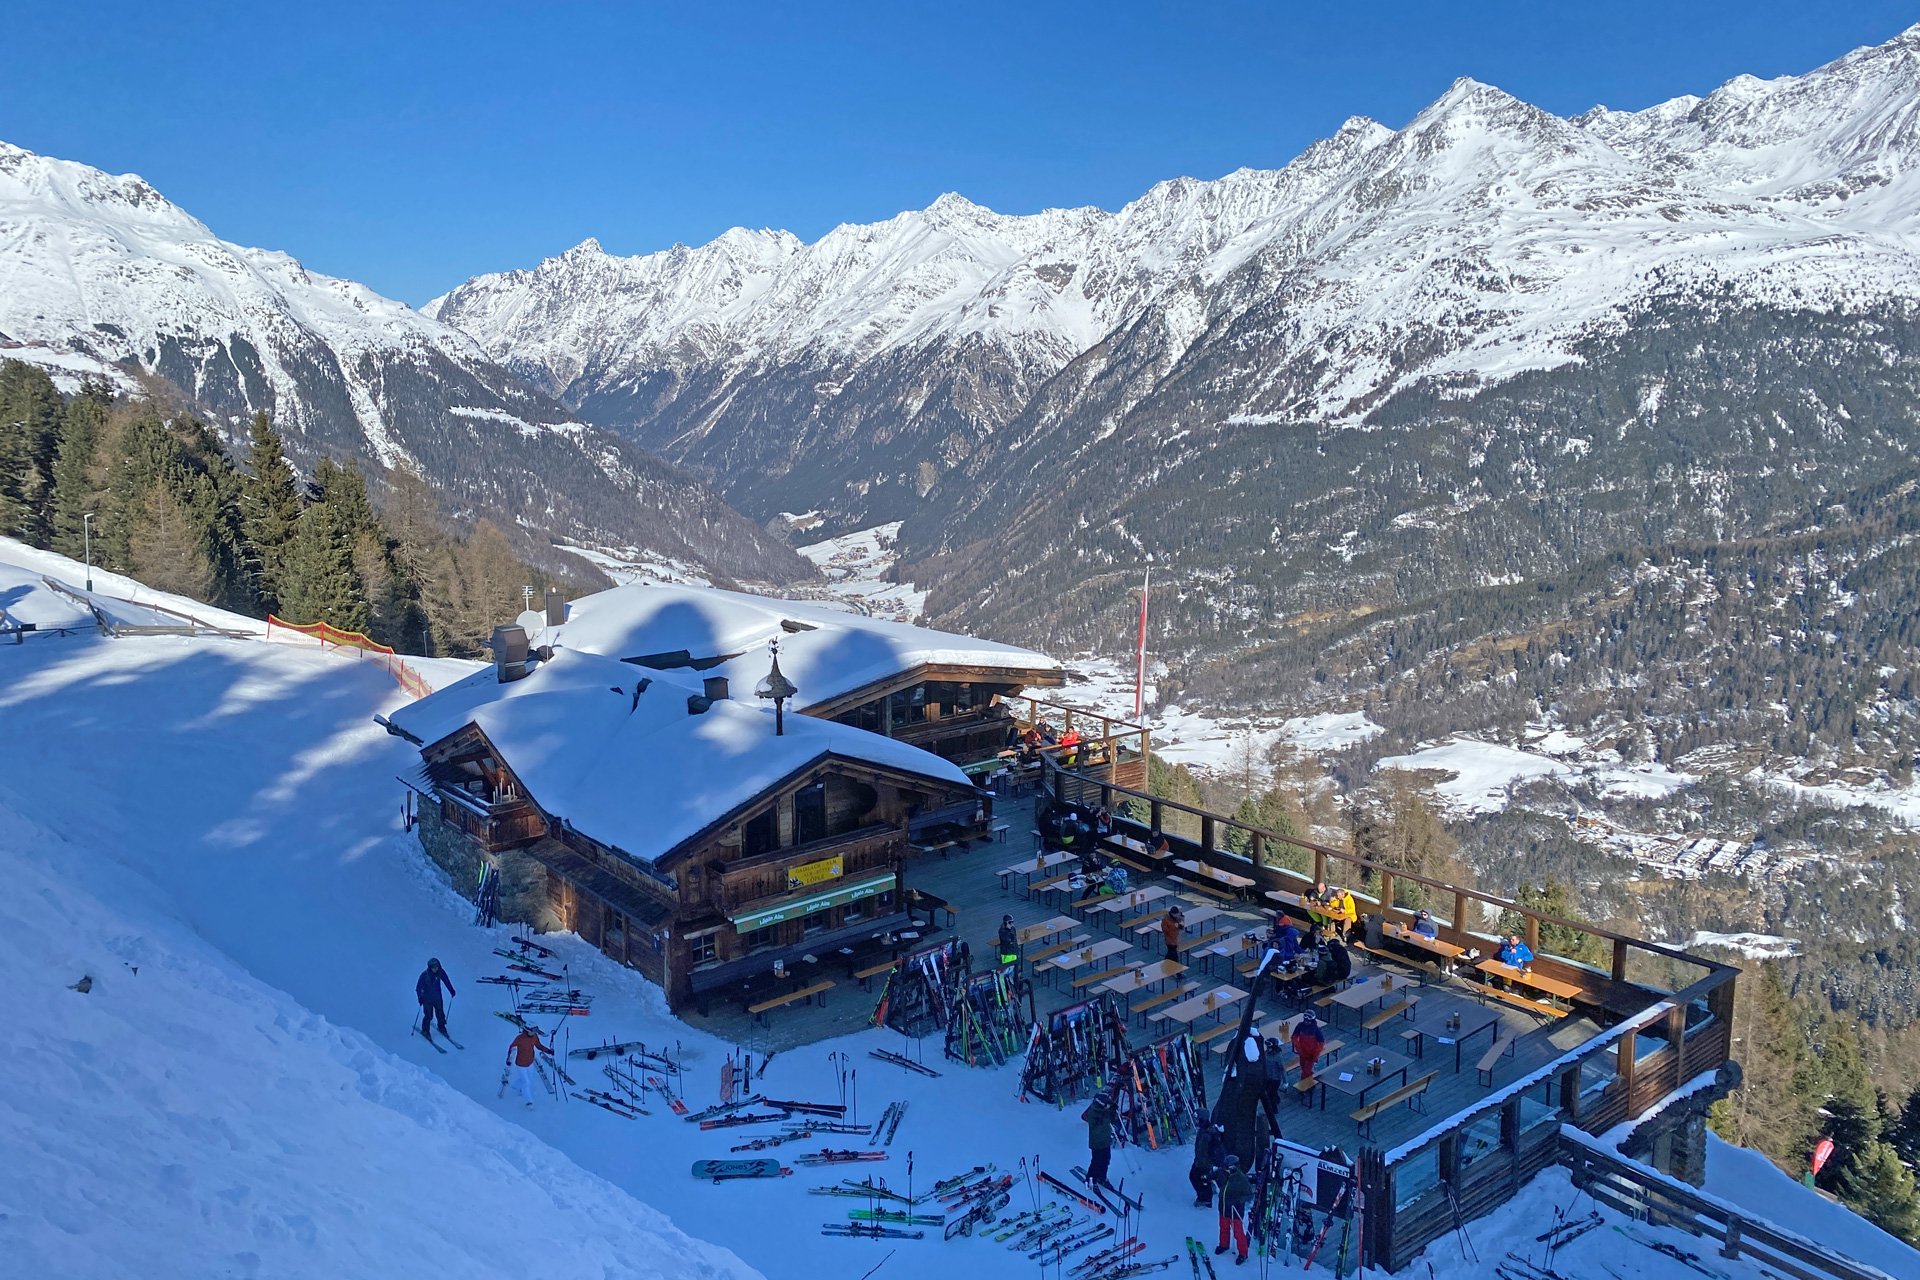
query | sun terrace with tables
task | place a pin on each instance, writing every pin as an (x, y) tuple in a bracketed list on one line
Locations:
[(1444, 1069)]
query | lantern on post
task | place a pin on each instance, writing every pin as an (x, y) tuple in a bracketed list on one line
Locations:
[(779, 688)]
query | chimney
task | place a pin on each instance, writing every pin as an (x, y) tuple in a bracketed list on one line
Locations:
[(509, 645), (716, 688), (556, 607)]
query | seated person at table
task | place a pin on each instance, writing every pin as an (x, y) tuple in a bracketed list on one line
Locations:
[(1102, 823), (1516, 953), (1424, 925), (1332, 964), (1009, 942), (1172, 925), (1162, 850), (1308, 1041), (1319, 904), (1283, 937), (1345, 914)]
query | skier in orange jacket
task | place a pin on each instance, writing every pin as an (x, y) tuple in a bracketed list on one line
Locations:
[(520, 1055)]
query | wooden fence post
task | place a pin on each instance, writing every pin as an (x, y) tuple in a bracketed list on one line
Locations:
[(1153, 817), (1731, 1249), (1533, 934), (1206, 834), (1460, 911), (1257, 849), (1319, 868), (1386, 893), (1619, 959)]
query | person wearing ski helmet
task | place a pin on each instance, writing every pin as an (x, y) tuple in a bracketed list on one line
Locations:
[(1009, 942), (1209, 1149), (1235, 1193), (426, 989), (1099, 1118)]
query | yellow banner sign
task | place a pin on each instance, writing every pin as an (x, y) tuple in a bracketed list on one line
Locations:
[(814, 872)]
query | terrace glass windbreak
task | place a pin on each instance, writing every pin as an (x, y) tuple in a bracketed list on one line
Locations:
[(1415, 1176)]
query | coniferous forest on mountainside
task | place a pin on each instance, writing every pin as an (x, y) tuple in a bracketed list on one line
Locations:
[(173, 508)]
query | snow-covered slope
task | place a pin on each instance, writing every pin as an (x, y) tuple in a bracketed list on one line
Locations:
[(102, 276), (184, 1118), (1480, 240)]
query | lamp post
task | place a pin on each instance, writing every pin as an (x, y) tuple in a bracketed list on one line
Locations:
[(86, 534), (779, 688)]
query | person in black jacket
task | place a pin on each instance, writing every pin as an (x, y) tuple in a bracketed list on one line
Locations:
[(1009, 942), (426, 989), (1209, 1153), (1099, 1117)]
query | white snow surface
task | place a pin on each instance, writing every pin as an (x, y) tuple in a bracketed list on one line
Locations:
[(186, 1118), (1754, 946), (838, 653), (856, 564), (642, 773), (1484, 774), (222, 815), (1511, 229), (1755, 1183)]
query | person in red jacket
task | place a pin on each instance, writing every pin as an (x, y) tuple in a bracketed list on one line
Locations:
[(1308, 1041), (520, 1057)]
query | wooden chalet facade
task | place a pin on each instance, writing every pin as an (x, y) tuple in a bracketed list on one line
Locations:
[(807, 865), (959, 713)]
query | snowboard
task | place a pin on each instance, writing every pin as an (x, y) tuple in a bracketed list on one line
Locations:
[(723, 1170)]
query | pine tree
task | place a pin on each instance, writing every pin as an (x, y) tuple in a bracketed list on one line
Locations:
[(269, 510), (1775, 1109), (76, 491), (170, 550), (1875, 1185), (30, 415), (320, 582)]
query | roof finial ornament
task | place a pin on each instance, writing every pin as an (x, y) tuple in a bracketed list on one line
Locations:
[(779, 688)]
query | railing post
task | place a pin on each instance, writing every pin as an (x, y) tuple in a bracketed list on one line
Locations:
[(1206, 834), (1677, 1037), (1257, 849), (1386, 893), (1731, 1249), (1619, 959), (1153, 817), (1460, 911), (1319, 867), (1623, 1058), (1533, 934)]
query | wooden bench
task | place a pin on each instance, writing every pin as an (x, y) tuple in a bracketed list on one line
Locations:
[(1217, 894), (998, 831), (1165, 997), (1538, 1008), (1500, 1048), (1051, 882), (868, 974), (804, 993), (1140, 924), (1402, 1009), (1412, 1094), (1098, 975), (1219, 1030), (1049, 952), (1084, 903), (1328, 1052), (1205, 940), (1414, 1041), (1129, 863)]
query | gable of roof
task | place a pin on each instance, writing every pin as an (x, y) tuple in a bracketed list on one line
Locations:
[(614, 751), (826, 653)]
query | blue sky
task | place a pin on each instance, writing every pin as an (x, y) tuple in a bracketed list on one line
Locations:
[(413, 145)]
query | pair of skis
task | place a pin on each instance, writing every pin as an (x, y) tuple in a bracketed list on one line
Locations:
[(888, 1123), (888, 1055), (1103, 1190)]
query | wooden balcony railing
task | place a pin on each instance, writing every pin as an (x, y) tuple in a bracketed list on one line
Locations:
[(760, 881), (497, 826)]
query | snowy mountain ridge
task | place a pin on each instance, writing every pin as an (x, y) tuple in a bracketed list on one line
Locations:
[(1478, 241), (101, 276)]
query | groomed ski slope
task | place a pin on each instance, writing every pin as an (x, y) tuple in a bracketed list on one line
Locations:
[(222, 814)]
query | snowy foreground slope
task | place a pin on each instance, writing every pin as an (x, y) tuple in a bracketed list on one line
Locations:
[(222, 814)]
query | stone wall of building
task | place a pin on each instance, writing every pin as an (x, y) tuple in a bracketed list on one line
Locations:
[(521, 897)]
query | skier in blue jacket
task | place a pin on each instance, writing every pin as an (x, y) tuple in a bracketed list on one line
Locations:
[(1516, 953), (426, 989)]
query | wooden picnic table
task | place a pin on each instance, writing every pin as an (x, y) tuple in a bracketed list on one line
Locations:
[(1073, 959), (1133, 898), (1143, 975), (1400, 933), (1528, 978), (1045, 862), (1435, 1013), (1045, 929), (1286, 898), (1361, 994), (1212, 1002), (1353, 1079), (1198, 913), (1214, 874)]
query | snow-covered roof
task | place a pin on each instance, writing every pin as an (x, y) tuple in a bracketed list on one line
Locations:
[(642, 775), (841, 652)]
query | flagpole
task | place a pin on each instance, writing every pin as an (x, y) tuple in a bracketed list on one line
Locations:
[(1140, 650)]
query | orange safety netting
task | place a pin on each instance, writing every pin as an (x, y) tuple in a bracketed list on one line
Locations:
[(363, 648)]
